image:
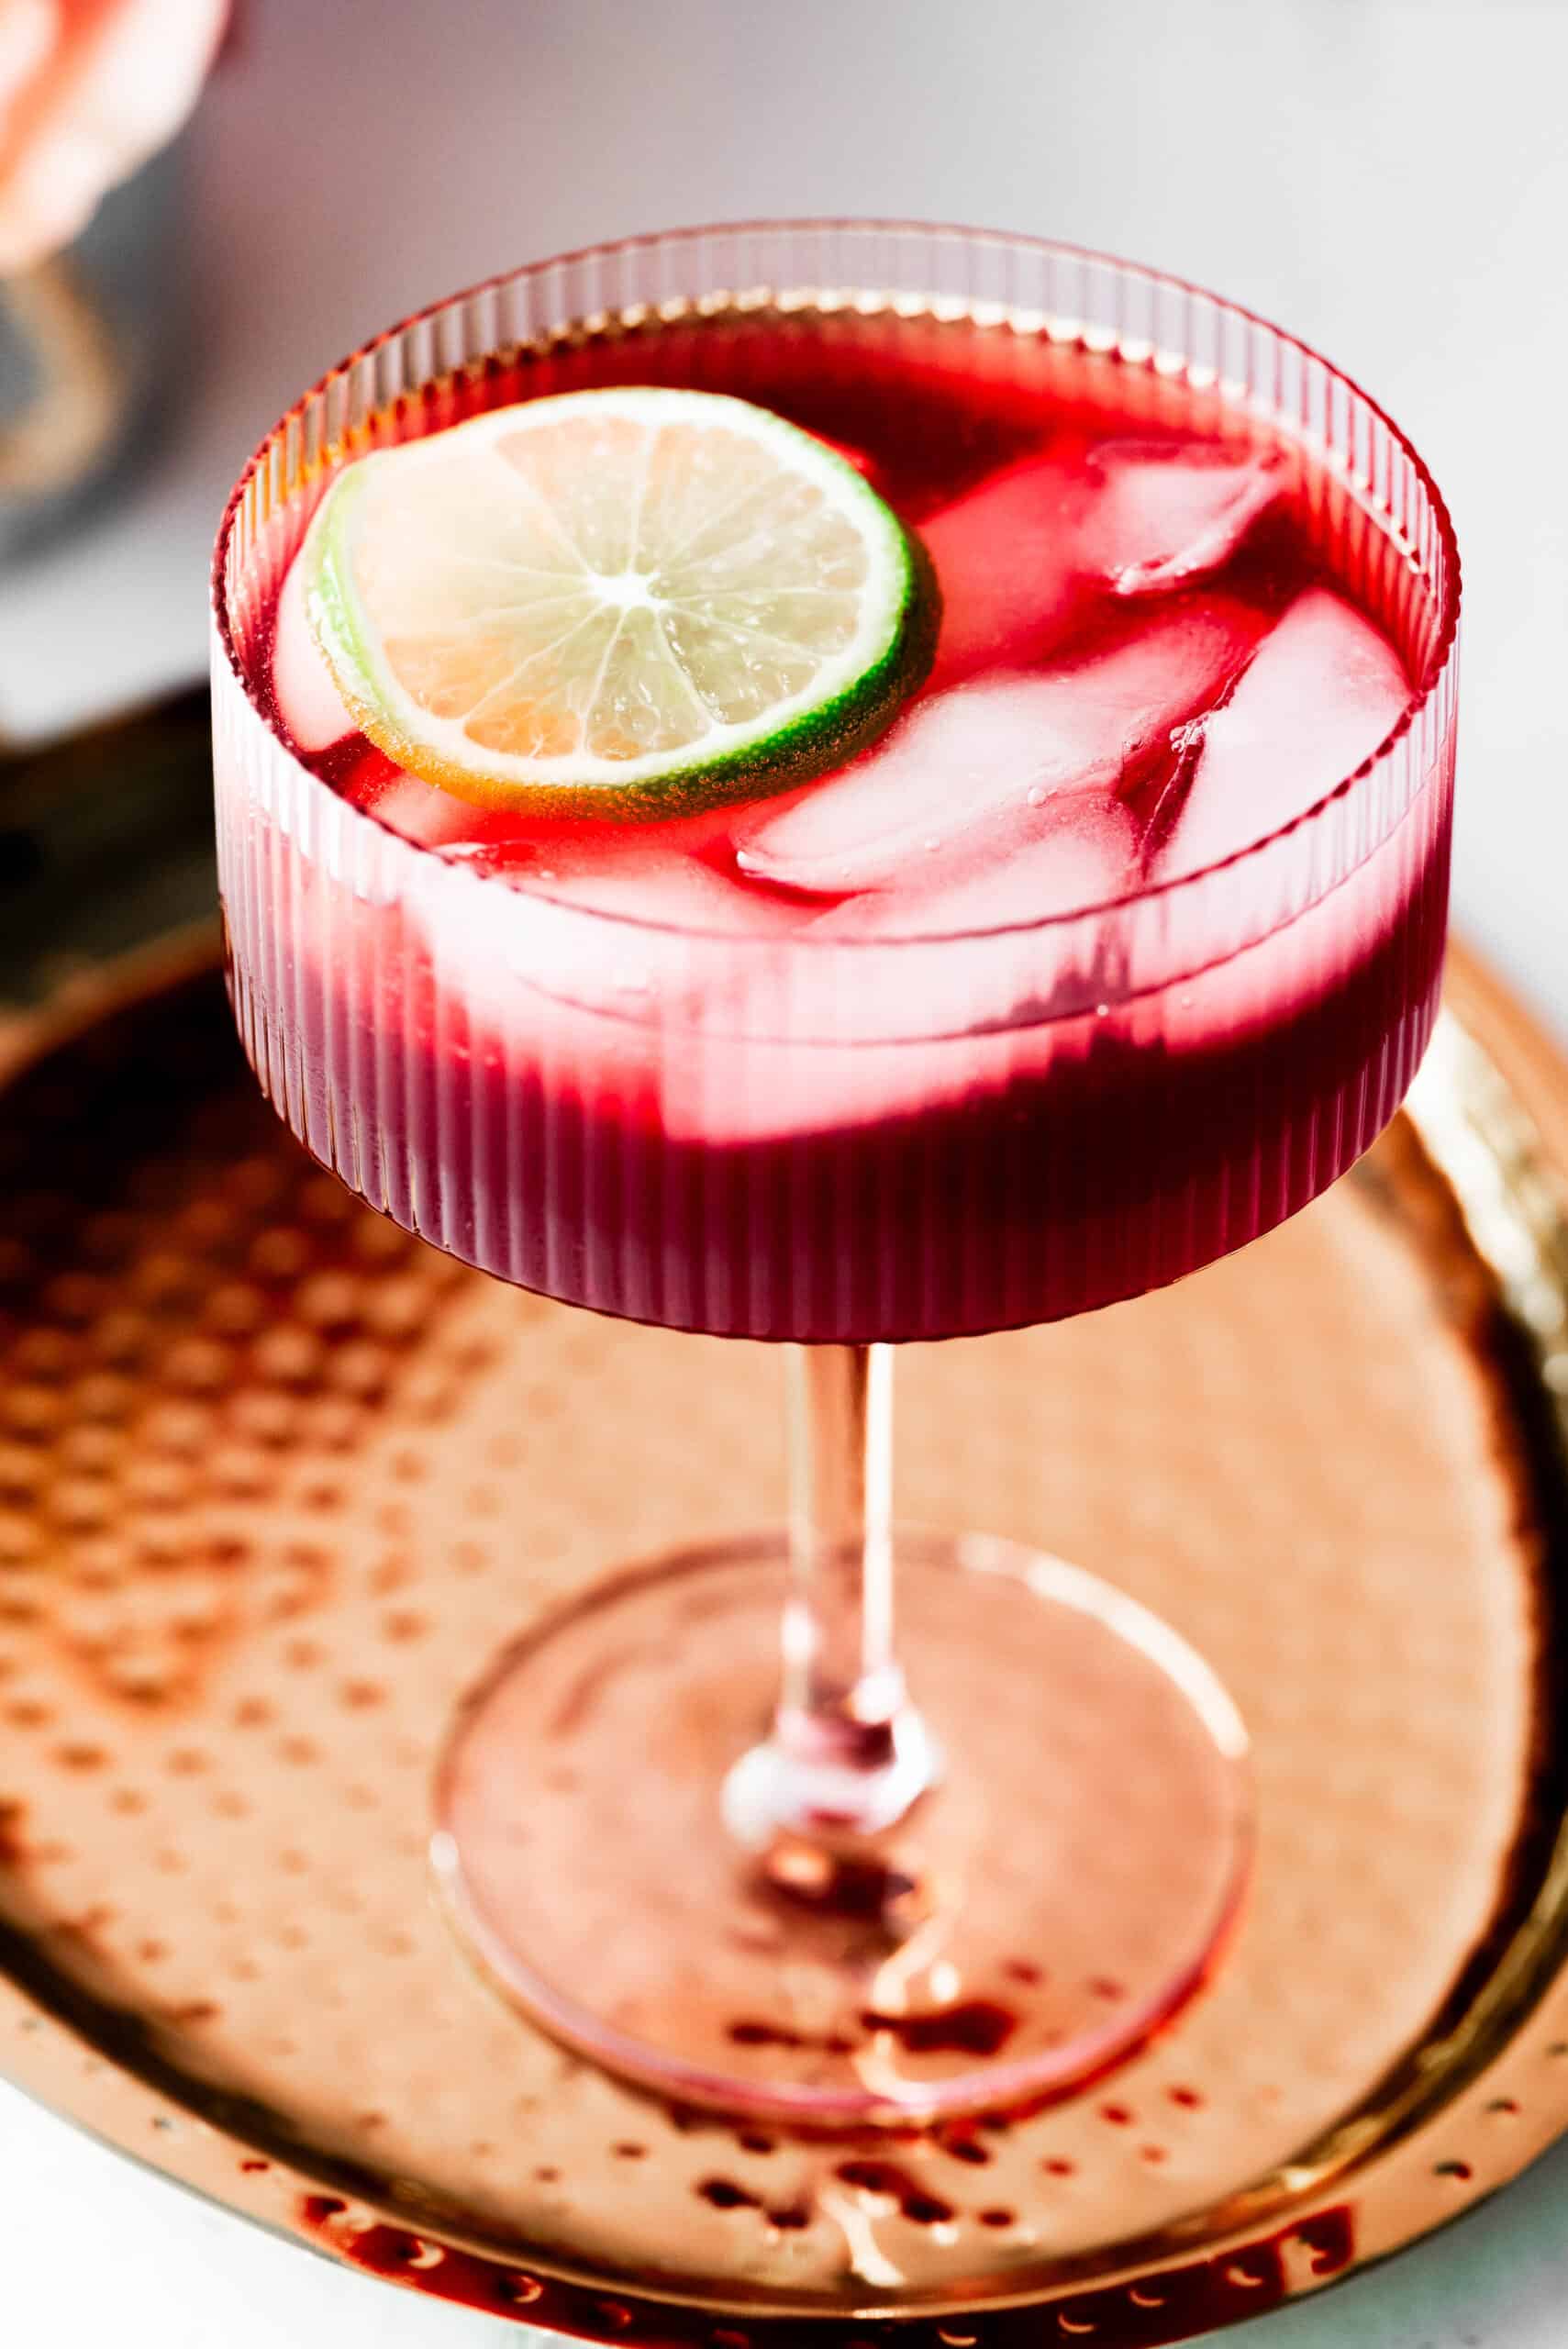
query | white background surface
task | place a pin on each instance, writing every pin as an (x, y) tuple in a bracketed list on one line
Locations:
[(1387, 177)]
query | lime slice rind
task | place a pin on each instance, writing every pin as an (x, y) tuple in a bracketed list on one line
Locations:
[(631, 601)]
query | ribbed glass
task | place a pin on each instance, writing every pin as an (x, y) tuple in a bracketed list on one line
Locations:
[(863, 1140)]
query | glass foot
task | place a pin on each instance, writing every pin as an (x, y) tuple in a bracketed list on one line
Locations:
[(1061, 1890)]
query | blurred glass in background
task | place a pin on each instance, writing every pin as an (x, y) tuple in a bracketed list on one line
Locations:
[(89, 90)]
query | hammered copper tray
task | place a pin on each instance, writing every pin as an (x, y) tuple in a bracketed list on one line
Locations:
[(275, 1481)]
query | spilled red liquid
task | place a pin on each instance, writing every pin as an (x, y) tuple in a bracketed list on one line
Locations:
[(725, 2195), (753, 2032), (977, 2027), (914, 2201)]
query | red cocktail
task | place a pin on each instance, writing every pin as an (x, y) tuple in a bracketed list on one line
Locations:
[(1112, 944)]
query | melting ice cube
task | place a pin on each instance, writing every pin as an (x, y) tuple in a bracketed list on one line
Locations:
[(1322, 692), (985, 763), (1017, 556), (1086, 855), (1165, 513), (430, 818), (667, 887), (308, 702)]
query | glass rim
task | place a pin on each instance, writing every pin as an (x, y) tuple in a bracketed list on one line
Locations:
[(1439, 666)]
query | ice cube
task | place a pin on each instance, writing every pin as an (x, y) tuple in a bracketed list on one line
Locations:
[(618, 966), (308, 702), (1165, 513), (1005, 557), (429, 817), (1322, 692), (1086, 856), (1018, 555), (987, 759), (859, 1019), (678, 892)]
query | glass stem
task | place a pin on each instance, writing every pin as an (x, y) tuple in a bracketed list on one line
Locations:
[(841, 1690), (849, 1753)]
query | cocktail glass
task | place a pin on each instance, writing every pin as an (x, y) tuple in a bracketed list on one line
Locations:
[(978, 1863)]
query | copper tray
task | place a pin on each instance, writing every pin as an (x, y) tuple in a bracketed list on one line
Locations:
[(275, 1481)]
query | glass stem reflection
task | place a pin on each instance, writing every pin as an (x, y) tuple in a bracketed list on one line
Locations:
[(849, 1753)]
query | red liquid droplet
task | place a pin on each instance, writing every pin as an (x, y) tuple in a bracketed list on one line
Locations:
[(725, 2195), (916, 2202), (974, 2027)]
